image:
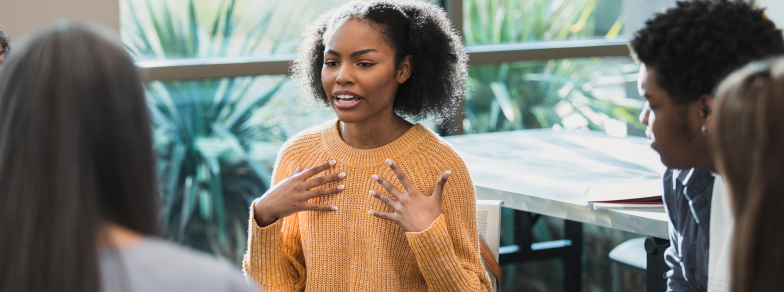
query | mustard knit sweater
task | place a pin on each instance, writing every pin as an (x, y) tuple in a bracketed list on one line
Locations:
[(350, 250)]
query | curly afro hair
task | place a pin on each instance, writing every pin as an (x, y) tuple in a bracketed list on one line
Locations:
[(422, 30), (698, 43)]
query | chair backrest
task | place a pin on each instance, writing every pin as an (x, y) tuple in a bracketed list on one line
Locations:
[(488, 217)]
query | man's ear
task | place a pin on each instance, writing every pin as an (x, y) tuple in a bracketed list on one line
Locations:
[(404, 69), (706, 110)]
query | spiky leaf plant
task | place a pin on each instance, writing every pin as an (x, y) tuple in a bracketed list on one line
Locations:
[(214, 157)]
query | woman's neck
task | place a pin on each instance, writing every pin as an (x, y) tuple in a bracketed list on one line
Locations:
[(373, 133)]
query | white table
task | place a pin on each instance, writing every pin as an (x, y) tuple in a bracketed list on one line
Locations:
[(547, 172)]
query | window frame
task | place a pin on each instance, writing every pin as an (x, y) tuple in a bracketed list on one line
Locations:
[(206, 68)]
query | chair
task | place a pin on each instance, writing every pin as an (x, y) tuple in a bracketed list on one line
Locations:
[(488, 217), (629, 256)]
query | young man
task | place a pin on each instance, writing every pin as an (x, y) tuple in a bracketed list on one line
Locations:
[(685, 52)]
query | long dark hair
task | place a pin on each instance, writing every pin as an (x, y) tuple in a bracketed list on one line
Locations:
[(748, 140), (75, 152)]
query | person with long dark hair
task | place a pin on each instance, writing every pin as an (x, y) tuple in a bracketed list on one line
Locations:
[(748, 136), (391, 206), (78, 207)]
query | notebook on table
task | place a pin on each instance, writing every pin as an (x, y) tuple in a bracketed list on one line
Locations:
[(629, 196)]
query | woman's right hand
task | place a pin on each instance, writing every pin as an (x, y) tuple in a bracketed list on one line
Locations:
[(292, 194)]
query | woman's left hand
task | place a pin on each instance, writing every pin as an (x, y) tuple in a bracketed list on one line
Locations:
[(414, 212)]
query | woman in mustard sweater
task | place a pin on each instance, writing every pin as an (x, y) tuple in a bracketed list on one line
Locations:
[(382, 204)]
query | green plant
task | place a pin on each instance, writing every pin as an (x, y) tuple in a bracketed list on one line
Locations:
[(542, 94), (205, 130)]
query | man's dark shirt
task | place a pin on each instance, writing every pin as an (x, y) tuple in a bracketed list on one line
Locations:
[(687, 200)]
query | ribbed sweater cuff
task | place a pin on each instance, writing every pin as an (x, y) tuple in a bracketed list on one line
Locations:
[(436, 256), (266, 252)]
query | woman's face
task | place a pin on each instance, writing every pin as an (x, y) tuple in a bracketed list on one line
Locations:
[(359, 74)]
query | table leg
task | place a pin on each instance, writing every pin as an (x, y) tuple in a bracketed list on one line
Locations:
[(655, 248), (568, 249), (573, 264)]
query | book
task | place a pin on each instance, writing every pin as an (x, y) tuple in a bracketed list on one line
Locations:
[(649, 190), (645, 207), (645, 195)]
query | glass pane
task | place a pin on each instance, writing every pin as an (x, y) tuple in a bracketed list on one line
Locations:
[(593, 93), (517, 21), (177, 29), (216, 142)]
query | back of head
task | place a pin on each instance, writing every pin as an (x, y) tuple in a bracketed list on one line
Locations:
[(749, 138), (75, 152), (696, 44)]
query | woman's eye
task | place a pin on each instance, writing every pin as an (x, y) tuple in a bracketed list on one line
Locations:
[(330, 63), (365, 64)]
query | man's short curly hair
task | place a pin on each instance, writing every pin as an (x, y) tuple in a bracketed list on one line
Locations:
[(698, 43), (422, 30)]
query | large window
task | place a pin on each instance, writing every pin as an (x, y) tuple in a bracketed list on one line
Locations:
[(515, 21), (588, 93), (179, 29)]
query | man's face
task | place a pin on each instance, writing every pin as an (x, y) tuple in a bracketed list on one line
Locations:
[(674, 129)]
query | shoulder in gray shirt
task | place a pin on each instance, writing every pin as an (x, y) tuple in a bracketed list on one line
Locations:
[(687, 200), (157, 265)]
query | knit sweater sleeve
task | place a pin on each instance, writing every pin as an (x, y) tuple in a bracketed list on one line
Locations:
[(275, 260), (447, 252)]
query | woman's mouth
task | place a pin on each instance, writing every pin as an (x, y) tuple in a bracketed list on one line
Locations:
[(347, 101)]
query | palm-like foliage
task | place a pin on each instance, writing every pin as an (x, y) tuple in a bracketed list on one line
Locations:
[(541, 94), (204, 131)]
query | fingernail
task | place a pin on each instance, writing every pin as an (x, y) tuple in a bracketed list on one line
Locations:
[(342, 175), (389, 162), (375, 177), (332, 162), (341, 187), (447, 174), (373, 193), (370, 212), (334, 208)]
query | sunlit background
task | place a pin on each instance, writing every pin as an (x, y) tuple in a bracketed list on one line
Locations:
[(217, 139)]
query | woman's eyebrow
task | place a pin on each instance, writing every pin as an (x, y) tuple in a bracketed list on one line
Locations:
[(354, 54), (331, 52), (362, 52)]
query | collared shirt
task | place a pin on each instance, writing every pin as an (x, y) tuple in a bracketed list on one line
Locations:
[(721, 234), (687, 200)]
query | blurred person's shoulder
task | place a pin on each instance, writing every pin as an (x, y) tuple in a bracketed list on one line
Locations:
[(159, 265)]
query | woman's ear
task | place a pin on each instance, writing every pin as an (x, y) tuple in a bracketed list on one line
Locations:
[(404, 69)]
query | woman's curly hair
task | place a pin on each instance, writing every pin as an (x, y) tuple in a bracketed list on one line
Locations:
[(422, 30), (698, 43)]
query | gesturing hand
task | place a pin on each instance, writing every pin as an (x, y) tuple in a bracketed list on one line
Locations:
[(414, 212), (292, 194)]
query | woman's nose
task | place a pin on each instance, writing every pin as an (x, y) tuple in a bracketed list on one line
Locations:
[(345, 76)]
